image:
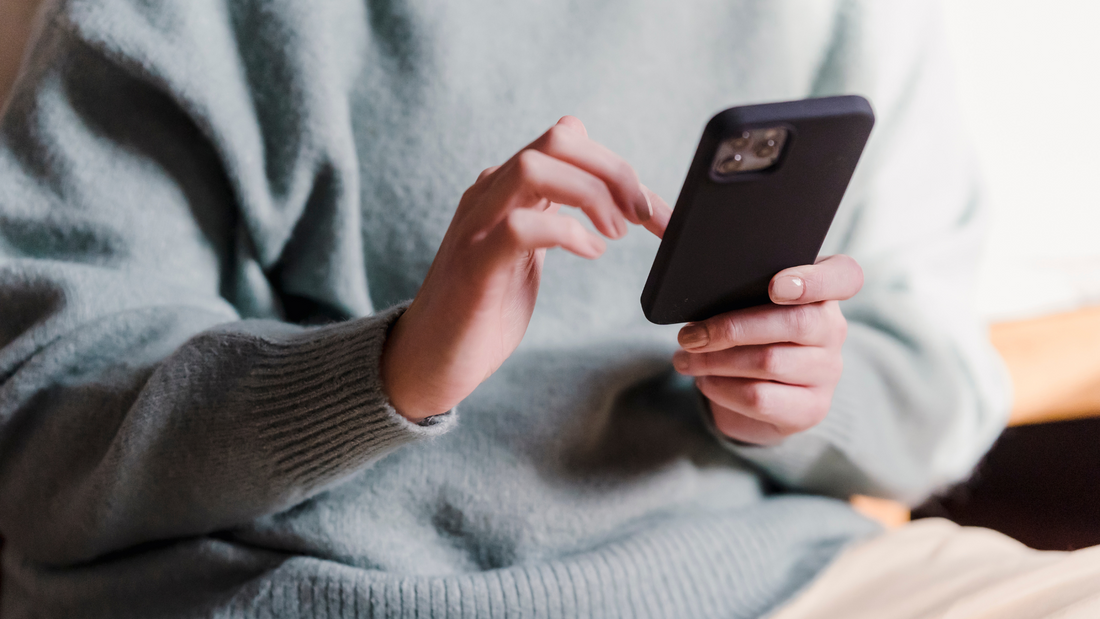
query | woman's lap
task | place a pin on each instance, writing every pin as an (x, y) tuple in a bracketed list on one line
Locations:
[(934, 568)]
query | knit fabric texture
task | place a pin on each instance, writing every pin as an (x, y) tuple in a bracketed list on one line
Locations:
[(213, 211)]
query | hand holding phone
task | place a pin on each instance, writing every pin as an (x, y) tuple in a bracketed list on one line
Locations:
[(769, 371), (765, 341)]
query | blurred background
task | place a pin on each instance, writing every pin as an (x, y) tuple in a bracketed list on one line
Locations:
[(1028, 77), (1029, 82)]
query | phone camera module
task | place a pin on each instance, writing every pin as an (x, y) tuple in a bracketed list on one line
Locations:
[(750, 151)]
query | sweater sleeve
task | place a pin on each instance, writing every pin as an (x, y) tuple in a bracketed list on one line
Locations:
[(923, 394), (162, 202)]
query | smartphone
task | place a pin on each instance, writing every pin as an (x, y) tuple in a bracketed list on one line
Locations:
[(759, 197)]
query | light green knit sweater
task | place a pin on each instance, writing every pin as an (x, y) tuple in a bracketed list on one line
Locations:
[(212, 211)]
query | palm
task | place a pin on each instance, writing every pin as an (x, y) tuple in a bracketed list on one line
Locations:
[(497, 322), (516, 294), (518, 304)]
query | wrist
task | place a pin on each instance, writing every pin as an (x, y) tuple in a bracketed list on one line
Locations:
[(395, 377), (403, 375)]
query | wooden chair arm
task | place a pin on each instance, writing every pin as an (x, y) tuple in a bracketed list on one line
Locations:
[(1054, 362)]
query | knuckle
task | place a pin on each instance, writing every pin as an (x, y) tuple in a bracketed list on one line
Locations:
[(770, 360), (471, 193), (724, 331), (514, 224), (527, 163), (758, 397), (774, 361), (624, 174), (555, 137), (802, 320)]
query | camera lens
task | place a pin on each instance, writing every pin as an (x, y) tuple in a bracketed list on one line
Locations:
[(766, 148), (741, 142), (730, 164)]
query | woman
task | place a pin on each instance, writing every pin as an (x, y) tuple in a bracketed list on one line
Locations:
[(218, 400)]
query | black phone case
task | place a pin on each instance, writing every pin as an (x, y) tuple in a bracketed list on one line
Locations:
[(728, 237)]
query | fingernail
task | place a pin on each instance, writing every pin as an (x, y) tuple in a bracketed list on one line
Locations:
[(644, 211), (620, 227), (694, 336), (788, 288), (680, 360), (597, 245)]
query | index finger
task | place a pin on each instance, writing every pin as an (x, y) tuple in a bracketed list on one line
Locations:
[(569, 142), (834, 278), (662, 212)]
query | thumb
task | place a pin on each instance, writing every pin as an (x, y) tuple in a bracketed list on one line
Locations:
[(832, 279)]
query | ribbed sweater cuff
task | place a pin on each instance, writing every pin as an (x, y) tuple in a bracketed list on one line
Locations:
[(809, 459), (319, 406), (789, 461)]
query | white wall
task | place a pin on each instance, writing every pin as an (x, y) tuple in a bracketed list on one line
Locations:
[(1029, 81)]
